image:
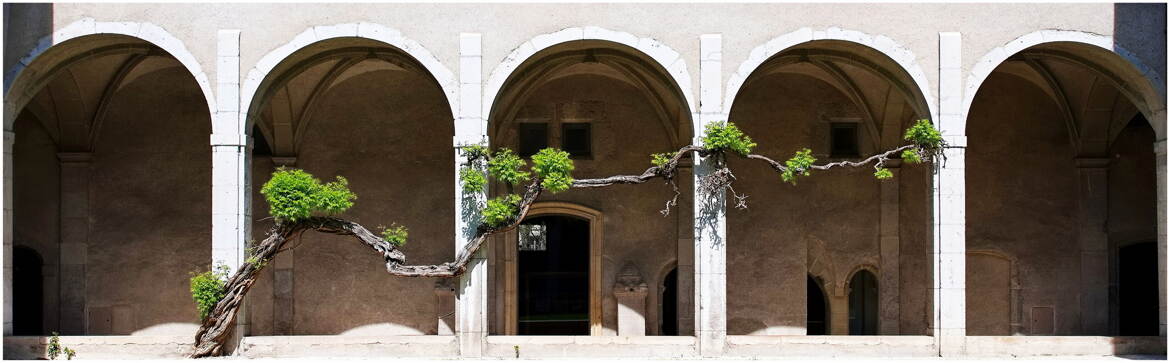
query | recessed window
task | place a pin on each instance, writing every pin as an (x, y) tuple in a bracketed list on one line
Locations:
[(576, 139), (533, 137), (843, 140)]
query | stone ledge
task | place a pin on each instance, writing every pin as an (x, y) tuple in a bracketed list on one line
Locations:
[(348, 346), (102, 347), (504, 346), (1032, 346), (829, 346)]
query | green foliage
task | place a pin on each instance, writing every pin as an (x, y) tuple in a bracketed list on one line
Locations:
[(207, 289), (554, 168), (475, 151), (505, 166), (55, 349), (660, 159), (396, 234), (798, 165), (924, 135), (501, 209), (883, 173), (473, 180), (726, 136), (294, 194), (911, 156)]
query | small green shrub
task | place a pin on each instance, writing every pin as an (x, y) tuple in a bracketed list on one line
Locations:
[(501, 209), (726, 136), (660, 159), (554, 168), (507, 167), (911, 156), (396, 234), (883, 174), (294, 194), (55, 349), (473, 180), (207, 289), (475, 151), (798, 165)]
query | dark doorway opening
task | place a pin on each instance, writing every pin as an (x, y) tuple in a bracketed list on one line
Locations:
[(817, 319), (669, 316), (26, 291), (863, 309), (554, 279), (1138, 289)]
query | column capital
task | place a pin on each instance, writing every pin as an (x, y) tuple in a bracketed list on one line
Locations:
[(284, 160), (231, 140)]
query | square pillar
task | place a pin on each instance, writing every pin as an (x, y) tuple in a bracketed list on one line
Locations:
[(889, 290), (710, 213), (471, 324), (950, 207), (1093, 209), (75, 177), (6, 197), (685, 273)]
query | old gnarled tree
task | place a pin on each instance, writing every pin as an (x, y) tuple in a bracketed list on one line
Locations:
[(299, 203)]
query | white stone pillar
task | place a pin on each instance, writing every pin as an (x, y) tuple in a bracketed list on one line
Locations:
[(75, 177), (471, 325), (950, 208), (231, 170), (1093, 209), (9, 137), (710, 213), (889, 289)]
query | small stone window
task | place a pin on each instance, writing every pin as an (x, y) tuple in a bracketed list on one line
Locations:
[(576, 139), (533, 137), (843, 140)]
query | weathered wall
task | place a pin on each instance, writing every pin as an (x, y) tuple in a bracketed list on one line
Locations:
[(626, 130), (36, 193), (388, 133)]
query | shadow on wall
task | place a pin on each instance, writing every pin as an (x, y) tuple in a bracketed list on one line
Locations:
[(24, 26), (1141, 29)]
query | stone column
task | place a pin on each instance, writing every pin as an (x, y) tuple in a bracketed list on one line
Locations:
[(888, 281), (9, 137), (950, 207), (471, 325), (838, 300), (1093, 209), (75, 177), (1160, 165), (630, 292), (685, 268), (710, 213), (231, 170)]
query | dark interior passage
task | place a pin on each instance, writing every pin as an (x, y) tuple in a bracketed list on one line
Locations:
[(669, 316), (817, 311), (863, 310), (554, 279), (1138, 289), (26, 290)]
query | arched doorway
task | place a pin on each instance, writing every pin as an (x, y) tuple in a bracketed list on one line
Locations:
[(1138, 289), (553, 276), (817, 310), (863, 304), (669, 303), (27, 291)]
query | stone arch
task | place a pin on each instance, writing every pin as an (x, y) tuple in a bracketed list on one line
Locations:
[(843, 285), (258, 76), (659, 281), (665, 57), (596, 221), (31, 71), (890, 48), (1141, 84)]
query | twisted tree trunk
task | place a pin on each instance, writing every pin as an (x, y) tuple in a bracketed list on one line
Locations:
[(217, 327)]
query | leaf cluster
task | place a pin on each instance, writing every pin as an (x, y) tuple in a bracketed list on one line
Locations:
[(396, 234), (722, 135), (55, 349), (798, 165), (501, 209), (207, 289), (507, 167), (554, 168), (660, 159), (294, 194), (473, 180), (924, 135), (883, 173)]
